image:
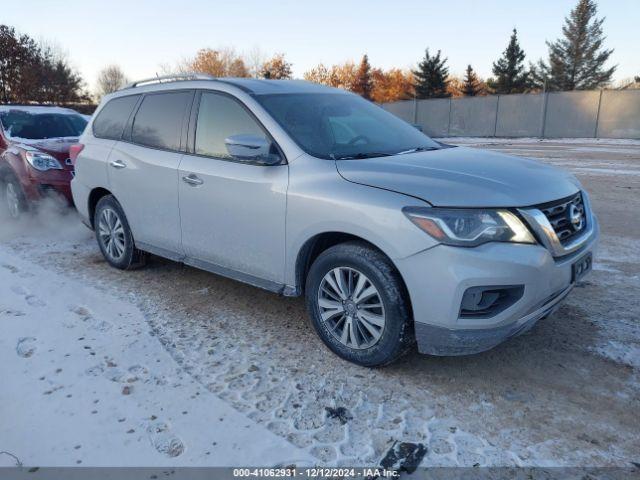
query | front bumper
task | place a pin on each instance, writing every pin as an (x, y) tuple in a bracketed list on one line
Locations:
[(41, 185), (438, 277)]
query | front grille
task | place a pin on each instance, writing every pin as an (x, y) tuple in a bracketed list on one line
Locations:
[(568, 217)]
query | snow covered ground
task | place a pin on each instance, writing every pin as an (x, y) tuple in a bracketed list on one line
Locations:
[(586, 144), (173, 366), (85, 382)]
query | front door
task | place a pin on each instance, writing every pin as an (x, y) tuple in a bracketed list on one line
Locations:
[(232, 211)]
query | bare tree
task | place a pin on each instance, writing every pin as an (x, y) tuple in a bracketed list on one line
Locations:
[(223, 62), (110, 79), (255, 59), (632, 83)]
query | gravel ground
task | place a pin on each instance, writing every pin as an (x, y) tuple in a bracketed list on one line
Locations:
[(567, 393)]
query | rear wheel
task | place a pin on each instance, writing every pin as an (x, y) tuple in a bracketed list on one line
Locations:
[(358, 305), (114, 235)]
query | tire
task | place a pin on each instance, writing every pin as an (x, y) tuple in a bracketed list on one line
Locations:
[(114, 236), (14, 200), (379, 324)]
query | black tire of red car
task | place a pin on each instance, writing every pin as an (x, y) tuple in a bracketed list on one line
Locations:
[(110, 214), (397, 336), (14, 200)]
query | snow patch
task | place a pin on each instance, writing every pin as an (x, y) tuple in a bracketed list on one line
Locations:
[(621, 352)]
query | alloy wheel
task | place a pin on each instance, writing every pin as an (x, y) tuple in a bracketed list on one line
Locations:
[(111, 233), (351, 307), (13, 200)]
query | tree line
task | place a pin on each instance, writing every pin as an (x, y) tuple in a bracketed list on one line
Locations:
[(34, 72), (576, 61)]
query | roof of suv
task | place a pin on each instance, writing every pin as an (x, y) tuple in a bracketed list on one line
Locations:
[(257, 86), (252, 86)]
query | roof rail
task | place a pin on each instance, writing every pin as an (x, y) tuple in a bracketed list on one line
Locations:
[(177, 77)]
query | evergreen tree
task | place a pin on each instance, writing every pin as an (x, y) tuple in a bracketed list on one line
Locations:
[(577, 60), (471, 86), (59, 82), (432, 77), (363, 84), (19, 60), (510, 73), (32, 72)]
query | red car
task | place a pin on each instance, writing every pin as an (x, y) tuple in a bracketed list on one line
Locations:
[(35, 157)]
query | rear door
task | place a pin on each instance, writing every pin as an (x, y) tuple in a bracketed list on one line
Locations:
[(107, 128), (143, 170), (232, 211)]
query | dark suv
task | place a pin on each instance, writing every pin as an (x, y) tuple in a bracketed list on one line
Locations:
[(35, 153)]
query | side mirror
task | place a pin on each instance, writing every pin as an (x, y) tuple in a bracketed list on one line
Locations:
[(252, 148)]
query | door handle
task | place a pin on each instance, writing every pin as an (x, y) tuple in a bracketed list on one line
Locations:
[(192, 180), (118, 164)]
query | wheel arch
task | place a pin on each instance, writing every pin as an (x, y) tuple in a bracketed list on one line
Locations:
[(5, 169), (11, 164), (92, 202), (319, 243)]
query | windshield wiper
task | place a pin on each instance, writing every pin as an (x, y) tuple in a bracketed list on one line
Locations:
[(417, 149), (361, 156)]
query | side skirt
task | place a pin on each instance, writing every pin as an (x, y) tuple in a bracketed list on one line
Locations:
[(279, 288)]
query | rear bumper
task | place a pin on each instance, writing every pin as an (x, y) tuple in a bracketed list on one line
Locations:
[(437, 279), (80, 193)]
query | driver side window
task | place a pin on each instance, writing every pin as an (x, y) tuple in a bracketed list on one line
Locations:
[(221, 117)]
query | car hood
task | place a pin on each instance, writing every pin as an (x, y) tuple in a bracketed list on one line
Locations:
[(463, 177), (56, 147)]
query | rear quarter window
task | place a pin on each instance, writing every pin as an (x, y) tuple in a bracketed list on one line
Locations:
[(113, 117)]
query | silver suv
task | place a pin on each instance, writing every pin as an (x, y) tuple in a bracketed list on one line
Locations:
[(394, 238)]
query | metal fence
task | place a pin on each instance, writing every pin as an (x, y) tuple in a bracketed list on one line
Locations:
[(578, 114)]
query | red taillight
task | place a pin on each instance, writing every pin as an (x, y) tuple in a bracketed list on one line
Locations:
[(74, 151)]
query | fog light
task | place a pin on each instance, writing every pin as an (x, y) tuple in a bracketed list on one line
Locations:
[(488, 301)]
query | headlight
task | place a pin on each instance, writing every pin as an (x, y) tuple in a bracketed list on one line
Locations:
[(42, 161), (469, 227)]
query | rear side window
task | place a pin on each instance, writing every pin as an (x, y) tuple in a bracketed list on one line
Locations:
[(159, 120), (220, 117), (113, 117)]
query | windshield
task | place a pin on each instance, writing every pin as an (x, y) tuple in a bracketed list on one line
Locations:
[(40, 126), (340, 126)]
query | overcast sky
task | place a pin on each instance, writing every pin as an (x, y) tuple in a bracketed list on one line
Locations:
[(141, 35)]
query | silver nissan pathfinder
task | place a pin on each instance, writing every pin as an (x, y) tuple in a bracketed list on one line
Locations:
[(394, 239)]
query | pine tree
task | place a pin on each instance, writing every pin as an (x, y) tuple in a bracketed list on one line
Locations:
[(511, 75), (471, 86), (363, 84), (432, 77), (34, 72), (577, 60)]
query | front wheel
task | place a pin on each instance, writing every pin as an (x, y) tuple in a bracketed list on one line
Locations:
[(358, 305), (114, 235), (14, 198)]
